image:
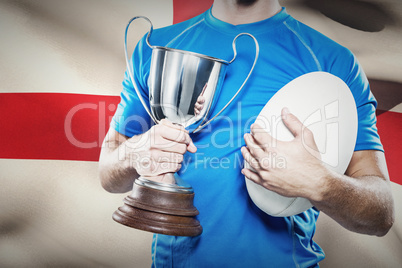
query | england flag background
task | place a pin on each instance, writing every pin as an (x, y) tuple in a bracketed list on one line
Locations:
[(61, 67)]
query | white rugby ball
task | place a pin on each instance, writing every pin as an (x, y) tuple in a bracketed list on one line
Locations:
[(324, 104)]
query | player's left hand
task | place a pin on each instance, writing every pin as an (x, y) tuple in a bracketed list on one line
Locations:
[(289, 168)]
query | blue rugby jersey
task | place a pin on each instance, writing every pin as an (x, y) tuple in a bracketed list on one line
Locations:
[(235, 232)]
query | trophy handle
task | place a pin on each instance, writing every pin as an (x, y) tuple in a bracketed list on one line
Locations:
[(130, 70), (257, 52)]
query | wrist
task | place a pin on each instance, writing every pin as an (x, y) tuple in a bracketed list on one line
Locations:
[(322, 185), (128, 154)]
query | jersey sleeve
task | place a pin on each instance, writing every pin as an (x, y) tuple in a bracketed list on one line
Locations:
[(131, 117), (352, 73)]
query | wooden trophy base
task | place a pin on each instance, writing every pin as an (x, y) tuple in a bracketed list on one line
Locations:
[(159, 211)]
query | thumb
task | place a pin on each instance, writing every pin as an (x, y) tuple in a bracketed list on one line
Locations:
[(191, 147), (292, 122)]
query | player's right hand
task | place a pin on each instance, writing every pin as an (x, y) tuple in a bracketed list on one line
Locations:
[(159, 151)]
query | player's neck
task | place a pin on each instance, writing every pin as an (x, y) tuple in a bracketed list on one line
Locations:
[(234, 12)]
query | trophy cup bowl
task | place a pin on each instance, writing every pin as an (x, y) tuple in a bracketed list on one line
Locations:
[(177, 80)]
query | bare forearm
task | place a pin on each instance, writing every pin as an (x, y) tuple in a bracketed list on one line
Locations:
[(363, 204), (115, 172)]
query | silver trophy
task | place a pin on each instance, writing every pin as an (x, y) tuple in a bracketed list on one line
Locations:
[(178, 80)]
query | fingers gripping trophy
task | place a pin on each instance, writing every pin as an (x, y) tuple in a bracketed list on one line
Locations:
[(183, 88)]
